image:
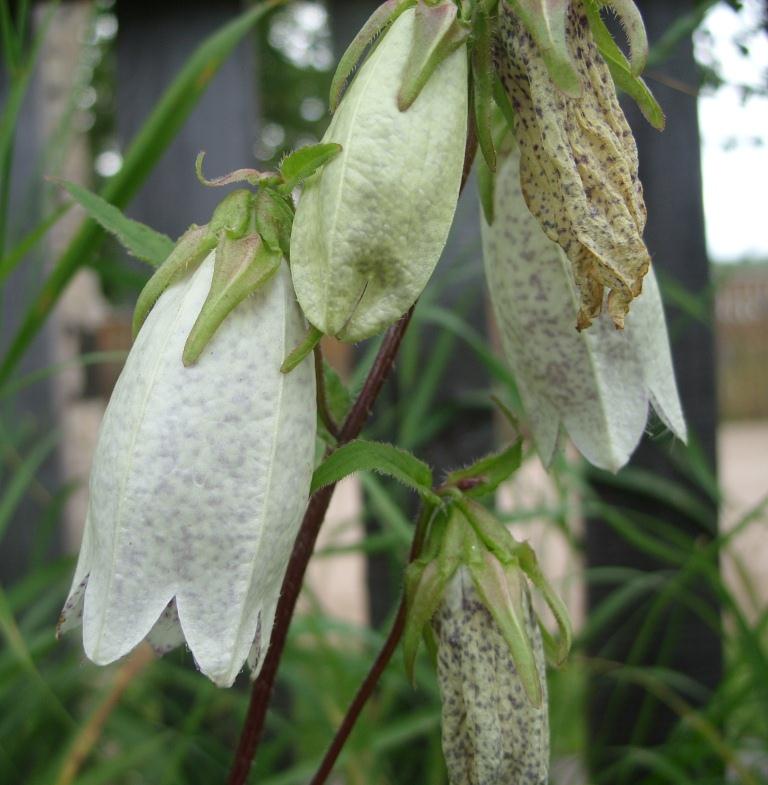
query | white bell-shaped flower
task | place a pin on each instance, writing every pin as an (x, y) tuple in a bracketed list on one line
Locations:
[(199, 482), (597, 384)]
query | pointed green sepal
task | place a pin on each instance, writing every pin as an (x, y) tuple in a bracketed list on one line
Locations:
[(491, 532), (274, 219), (632, 23), (501, 97), (250, 176), (192, 247), (302, 350), (503, 594), (241, 267), (623, 72), (424, 589), (437, 33), (305, 161), (486, 183), (484, 476), (232, 216), (530, 566), (545, 20), (483, 75), (377, 22)]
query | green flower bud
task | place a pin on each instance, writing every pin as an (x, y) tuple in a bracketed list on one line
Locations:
[(371, 225)]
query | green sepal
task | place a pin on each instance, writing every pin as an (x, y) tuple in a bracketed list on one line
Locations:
[(305, 161), (483, 75), (437, 33), (232, 216), (241, 266), (491, 532), (501, 97), (250, 176), (486, 184), (306, 347), (424, 588), (502, 591), (530, 566), (545, 20), (377, 22), (623, 72), (632, 23), (484, 476), (192, 247), (274, 219), (427, 577)]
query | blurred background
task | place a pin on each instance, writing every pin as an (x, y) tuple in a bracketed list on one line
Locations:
[(664, 566)]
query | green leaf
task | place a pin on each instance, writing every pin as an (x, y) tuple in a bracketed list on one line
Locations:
[(361, 455), (485, 476), (140, 240), (274, 220), (242, 266), (15, 255), (304, 162), (148, 146)]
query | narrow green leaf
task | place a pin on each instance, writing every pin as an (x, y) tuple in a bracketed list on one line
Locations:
[(485, 476), (138, 239), (147, 147), (15, 255), (483, 75), (361, 455), (304, 162)]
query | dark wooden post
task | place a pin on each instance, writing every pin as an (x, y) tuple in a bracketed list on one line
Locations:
[(682, 640)]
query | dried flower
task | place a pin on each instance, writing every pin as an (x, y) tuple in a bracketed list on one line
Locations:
[(199, 481), (579, 168)]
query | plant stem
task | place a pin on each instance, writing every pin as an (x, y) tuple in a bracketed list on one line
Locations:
[(302, 550), (322, 399), (377, 669)]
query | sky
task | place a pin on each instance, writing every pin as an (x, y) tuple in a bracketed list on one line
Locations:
[(735, 135)]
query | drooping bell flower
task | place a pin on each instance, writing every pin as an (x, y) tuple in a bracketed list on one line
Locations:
[(371, 225), (579, 166), (594, 385), (201, 473)]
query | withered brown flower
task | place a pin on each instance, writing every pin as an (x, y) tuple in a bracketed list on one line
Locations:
[(579, 167)]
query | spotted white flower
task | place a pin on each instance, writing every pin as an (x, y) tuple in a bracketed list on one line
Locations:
[(199, 481), (596, 385), (492, 733)]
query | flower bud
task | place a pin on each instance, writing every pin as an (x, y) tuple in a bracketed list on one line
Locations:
[(371, 225), (199, 481), (492, 733)]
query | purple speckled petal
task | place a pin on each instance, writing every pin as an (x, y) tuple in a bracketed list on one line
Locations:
[(595, 384)]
